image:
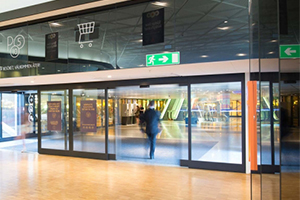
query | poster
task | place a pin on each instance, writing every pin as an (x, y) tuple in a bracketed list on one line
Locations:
[(51, 46), (88, 117), (153, 27), (54, 115)]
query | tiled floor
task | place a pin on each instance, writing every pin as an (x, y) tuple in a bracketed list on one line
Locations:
[(34, 176)]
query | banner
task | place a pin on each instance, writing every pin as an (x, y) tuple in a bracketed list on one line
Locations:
[(153, 27), (54, 115), (51, 46), (88, 117)]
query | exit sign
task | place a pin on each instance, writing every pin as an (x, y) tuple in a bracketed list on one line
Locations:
[(171, 58)]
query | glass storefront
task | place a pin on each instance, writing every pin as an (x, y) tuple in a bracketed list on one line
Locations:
[(217, 122)]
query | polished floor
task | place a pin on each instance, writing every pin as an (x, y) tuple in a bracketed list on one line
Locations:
[(32, 176)]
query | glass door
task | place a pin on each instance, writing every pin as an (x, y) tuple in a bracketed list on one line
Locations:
[(54, 119)]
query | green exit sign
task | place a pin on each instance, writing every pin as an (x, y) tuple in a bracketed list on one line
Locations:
[(290, 51), (163, 59)]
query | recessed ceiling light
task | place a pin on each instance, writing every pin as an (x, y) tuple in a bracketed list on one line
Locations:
[(55, 24), (32, 81), (58, 70), (157, 3), (241, 54), (204, 56), (109, 76), (225, 22), (224, 28)]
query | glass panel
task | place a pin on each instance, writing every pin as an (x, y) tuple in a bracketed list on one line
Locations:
[(56, 136), (9, 115), (113, 107), (171, 144), (265, 117), (276, 127), (85, 140), (216, 134)]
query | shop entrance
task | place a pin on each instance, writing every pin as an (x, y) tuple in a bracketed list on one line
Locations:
[(19, 121), (132, 144)]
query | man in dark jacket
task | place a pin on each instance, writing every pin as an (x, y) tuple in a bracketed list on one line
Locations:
[(152, 119)]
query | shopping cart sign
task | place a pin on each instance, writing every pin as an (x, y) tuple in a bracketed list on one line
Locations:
[(86, 32), (171, 58), (290, 51)]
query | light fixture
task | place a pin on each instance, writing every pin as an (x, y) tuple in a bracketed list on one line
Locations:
[(273, 40), (158, 3), (55, 24), (58, 70), (32, 81), (241, 54), (225, 21), (109, 76), (224, 28), (204, 56), (271, 52)]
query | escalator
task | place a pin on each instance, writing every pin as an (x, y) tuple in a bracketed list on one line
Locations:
[(172, 109)]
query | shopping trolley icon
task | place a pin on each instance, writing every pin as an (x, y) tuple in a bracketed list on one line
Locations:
[(85, 29)]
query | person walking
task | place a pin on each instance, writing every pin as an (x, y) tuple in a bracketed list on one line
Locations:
[(152, 119)]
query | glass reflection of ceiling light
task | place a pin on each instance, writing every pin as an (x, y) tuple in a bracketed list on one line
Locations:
[(55, 24), (204, 56), (225, 22), (273, 40), (58, 70), (241, 54), (224, 28), (157, 3), (271, 52), (142, 65)]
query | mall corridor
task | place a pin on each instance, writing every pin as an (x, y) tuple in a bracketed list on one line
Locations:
[(34, 176)]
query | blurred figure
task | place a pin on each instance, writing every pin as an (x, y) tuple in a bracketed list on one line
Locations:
[(152, 120), (137, 115), (24, 127)]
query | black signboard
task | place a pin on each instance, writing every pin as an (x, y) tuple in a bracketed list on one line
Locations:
[(54, 115), (88, 117), (153, 27), (51, 47)]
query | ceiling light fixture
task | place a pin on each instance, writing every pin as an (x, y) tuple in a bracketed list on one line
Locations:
[(273, 40), (225, 22), (55, 24), (224, 28), (204, 56), (241, 54), (109, 76), (271, 52), (158, 3)]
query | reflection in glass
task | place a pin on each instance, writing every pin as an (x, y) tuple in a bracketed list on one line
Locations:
[(216, 122)]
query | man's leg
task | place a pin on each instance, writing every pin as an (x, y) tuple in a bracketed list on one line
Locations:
[(152, 145)]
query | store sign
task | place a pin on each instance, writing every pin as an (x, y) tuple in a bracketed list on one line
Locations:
[(15, 44), (290, 51), (19, 67), (86, 33), (88, 117), (54, 115), (153, 27), (163, 59), (51, 46)]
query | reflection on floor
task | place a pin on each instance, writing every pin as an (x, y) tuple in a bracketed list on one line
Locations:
[(30, 176)]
